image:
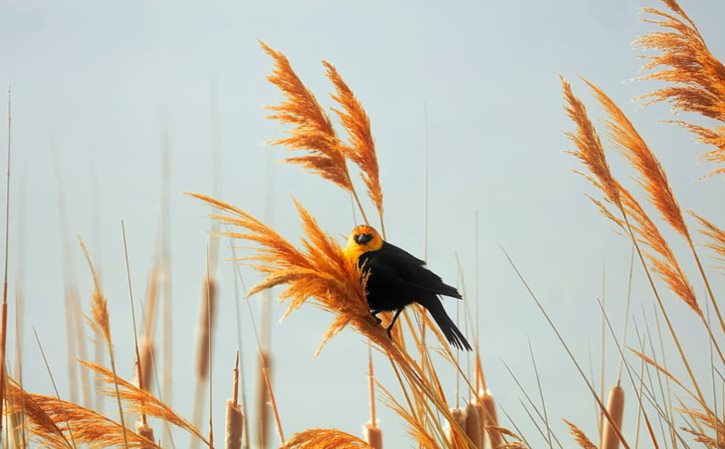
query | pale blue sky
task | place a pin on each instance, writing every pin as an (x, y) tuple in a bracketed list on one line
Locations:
[(95, 77)]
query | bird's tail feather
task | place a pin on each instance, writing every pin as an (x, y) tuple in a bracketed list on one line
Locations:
[(446, 325)]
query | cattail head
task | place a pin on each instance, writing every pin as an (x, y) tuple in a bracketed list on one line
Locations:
[(234, 426), (147, 351), (473, 426), (204, 328), (373, 436), (490, 419), (453, 434), (145, 431), (615, 409)]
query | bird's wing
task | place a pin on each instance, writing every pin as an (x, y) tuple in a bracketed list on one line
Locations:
[(412, 271)]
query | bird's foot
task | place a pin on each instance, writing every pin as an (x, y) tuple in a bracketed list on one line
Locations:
[(388, 331)]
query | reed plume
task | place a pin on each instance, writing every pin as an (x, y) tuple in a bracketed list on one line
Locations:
[(654, 180), (38, 423), (50, 419), (716, 236), (141, 401), (323, 439), (581, 438), (696, 78), (361, 147), (590, 151), (313, 130)]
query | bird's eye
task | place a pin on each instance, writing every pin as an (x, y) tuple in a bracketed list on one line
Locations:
[(363, 239)]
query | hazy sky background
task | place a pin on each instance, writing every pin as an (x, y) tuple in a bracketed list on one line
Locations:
[(97, 79)]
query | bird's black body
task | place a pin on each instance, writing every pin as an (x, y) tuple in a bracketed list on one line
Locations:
[(397, 278)]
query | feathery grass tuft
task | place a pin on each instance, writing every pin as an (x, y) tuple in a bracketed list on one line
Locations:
[(313, 130), (581, 438), (696, 77), (323, 439), (50, 419), (141, 401), (361, 148)]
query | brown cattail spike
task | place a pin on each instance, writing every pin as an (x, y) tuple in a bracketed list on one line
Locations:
[(490, 420), (234, 426), (147, 363), (145, 431), (473, 427), (206, 323), (459, 420), (615, 408), (373, 436)]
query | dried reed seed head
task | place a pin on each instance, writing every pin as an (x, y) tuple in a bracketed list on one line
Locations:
[(589, 148), (234, 426), (474, 426), (661, 258), (716, 236), (148, 354), (324, 439), (633, 147), (140, 401), (204, 328), (99, 313), (615, 408), (697, 77), (145, 431), (313, 130), (581, 438), (357, 124), (373, 436)]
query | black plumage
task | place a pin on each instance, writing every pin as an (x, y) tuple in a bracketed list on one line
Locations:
[(397, 278)]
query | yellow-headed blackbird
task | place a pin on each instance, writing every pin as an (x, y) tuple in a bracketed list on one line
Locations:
[(397, 278)]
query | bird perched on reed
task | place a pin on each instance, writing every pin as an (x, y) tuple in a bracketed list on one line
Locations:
[(396, 278)]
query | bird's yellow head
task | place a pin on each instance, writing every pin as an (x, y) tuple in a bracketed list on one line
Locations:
[(361, 240)]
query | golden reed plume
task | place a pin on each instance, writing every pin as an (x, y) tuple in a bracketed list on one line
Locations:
[(590, 151), (697, 77), (716, 236), (361, 148), (324, 438), (141, 401), (313, 130), (580, 437), (63, 424), (631, 145)]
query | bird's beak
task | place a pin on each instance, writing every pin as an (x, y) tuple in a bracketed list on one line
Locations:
[(362, 239)]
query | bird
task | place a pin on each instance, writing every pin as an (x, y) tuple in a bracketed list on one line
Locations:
[(396, 278)]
